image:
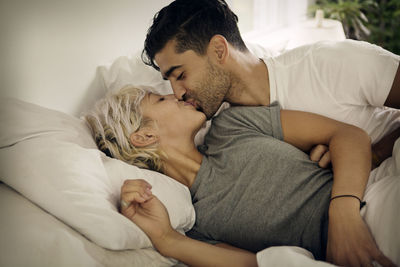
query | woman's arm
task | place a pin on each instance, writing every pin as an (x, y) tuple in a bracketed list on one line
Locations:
[(147, 212), (350, 152), (197, 253)]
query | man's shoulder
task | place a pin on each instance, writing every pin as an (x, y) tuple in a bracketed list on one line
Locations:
[(330, 49)]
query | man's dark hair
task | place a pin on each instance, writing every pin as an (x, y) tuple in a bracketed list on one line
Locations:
[(192, 23)]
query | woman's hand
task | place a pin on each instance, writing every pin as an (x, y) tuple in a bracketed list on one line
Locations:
[(350, 242), (320, 154), (147, 212), (144, 209), (380, 151)]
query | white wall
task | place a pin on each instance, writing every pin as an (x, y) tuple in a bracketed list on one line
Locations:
[(49, 49)]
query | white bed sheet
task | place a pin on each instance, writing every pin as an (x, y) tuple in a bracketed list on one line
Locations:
[(32, 237)]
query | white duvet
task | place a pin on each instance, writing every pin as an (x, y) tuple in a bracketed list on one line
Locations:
[(33, 235)]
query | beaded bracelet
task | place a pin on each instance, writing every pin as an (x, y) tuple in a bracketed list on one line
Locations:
[(362, 203)]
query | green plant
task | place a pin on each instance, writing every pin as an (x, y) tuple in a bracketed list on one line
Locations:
[(375, 21), (384, 24)]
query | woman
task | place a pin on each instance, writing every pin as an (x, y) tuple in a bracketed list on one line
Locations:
[(249, 188)]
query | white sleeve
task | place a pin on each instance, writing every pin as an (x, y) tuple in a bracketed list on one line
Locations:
[(356, 72)]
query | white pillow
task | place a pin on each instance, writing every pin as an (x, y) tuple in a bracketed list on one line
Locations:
[(131, 70), (51, 159)]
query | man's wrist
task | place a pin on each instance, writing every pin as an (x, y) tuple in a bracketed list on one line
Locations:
[(345, 205)]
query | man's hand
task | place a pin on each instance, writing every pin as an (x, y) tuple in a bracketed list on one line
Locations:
[(350, 242)]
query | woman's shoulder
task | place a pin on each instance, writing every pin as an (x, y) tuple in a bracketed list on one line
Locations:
[(240, 111), (263, 119)]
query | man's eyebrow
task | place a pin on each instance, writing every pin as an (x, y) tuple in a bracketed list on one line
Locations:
[(169, 71)]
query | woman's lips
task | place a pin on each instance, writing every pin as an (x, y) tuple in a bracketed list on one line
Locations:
[(191, 103), (194, 104)]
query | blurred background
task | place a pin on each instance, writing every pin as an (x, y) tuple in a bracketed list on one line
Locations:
[(375, 21)]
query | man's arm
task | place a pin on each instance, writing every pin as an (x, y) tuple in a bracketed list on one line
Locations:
[(350, 151), (380, 151), (393, 99)]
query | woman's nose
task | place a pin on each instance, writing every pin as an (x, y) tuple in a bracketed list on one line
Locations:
[(170, 97)]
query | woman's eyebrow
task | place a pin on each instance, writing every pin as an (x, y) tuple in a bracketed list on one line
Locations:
[(149, 97)]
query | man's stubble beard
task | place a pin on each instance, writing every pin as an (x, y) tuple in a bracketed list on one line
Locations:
[(213, 89)]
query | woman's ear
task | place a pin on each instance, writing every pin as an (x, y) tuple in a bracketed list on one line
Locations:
[(218, 48), (143, 137)]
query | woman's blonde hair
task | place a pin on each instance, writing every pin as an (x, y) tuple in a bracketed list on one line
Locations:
[(112, 121)]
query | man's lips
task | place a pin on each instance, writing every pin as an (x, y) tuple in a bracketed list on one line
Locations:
[(193, 103)]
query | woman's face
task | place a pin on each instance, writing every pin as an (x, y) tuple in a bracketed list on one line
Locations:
[(173, 118)]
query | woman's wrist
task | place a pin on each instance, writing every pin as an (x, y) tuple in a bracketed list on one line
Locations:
[(165, 243)]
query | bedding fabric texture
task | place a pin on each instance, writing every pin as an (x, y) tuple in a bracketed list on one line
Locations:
[(51, 159), (32, 237), (46, 241)]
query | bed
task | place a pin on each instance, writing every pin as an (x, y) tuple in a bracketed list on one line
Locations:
[(60, 194)]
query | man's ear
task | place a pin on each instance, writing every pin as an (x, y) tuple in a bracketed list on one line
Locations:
[(218, 48), (143, 137)]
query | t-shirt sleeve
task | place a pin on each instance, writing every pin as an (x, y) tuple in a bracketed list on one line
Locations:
[(359, 73), (260, 119)]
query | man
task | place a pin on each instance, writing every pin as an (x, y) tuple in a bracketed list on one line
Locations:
[(197, 46)]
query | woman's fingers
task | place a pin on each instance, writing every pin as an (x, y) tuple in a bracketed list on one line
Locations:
[(134, 191), (129, 211), (320, 154), (325, 161), (132, 185), (135, 196), (317, 152)]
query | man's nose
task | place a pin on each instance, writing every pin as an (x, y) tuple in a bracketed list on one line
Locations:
[(179, 90)]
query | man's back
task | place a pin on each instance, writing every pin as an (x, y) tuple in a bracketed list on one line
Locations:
[(347, 81)]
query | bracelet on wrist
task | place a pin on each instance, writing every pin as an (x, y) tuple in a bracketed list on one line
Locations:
[(362, 203)]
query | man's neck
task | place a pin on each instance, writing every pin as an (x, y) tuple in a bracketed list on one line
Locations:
[(250, 81)]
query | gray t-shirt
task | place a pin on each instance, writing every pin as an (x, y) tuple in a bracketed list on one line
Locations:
[(254, 191)]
